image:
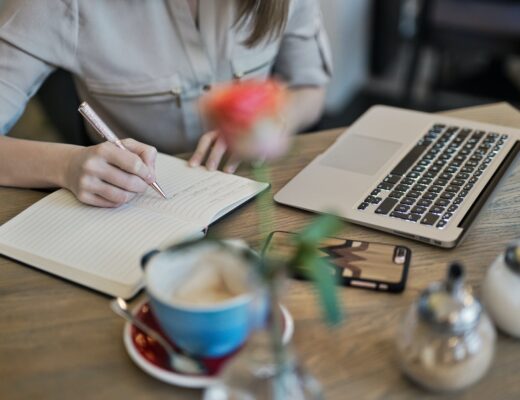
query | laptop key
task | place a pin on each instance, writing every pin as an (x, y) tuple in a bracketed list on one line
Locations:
[(418, 210), (440, 182), (458, 200), (447, 215), (430, 196), (442, 223), (402, 188), (429, 219), (424, 202), (386, 206), (373, 200), (458, 182), (425, 181), (396, 194), (435, 189), (392, 179), (447, 195), (400, 215), (413, 175), (408, 201), (385, 186), (453, 188), (453, 208), (437, 210), (446, 175), (419, 188), (414, 194), (363, 206), (414, 217), (407, 181), (375, 192), (402, 208), (442, 202)]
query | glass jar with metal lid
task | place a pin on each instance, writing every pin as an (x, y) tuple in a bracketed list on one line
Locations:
[(446, 341)]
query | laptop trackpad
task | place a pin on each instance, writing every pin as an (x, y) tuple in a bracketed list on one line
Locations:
[(360, 154)]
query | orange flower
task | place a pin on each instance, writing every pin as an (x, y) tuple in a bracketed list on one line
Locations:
[(248, 116)]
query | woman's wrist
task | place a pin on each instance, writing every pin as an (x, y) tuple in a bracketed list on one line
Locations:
[(64, 169)]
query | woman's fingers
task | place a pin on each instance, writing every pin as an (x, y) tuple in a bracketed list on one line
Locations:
[(111, 193), (116, 177), (125, 160), (217, 152), (147, 153), (232, 164), (203, 147)]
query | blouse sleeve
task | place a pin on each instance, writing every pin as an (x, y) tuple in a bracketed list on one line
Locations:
[(304, 58), (36, 36)]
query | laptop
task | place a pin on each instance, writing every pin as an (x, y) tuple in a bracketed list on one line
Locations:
[(418, 175)]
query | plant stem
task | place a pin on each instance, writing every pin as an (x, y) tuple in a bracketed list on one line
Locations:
[(271, 279), (265, 212)]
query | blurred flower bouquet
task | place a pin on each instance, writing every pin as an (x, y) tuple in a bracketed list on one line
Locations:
[(249, 117)]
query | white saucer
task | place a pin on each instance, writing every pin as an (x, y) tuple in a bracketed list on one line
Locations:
[(177, 378)]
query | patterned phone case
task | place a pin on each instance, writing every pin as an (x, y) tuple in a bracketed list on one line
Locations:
[(374, 266)]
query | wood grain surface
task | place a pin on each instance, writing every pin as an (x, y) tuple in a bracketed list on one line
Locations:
[(61, 341)]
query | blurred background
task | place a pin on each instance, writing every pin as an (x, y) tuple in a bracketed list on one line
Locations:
[(427, 55)]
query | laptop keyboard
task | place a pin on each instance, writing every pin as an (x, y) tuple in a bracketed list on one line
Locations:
[(433, 179)]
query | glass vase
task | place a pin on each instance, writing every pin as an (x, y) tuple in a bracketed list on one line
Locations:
[(259, 373)]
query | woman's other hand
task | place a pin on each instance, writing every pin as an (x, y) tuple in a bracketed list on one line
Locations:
[(212, 149), (107, 176)]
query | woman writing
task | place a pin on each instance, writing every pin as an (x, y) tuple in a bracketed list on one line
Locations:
[(143, 66)]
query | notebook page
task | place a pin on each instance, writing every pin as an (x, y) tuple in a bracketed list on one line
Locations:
[(105, 243), (196, 194)]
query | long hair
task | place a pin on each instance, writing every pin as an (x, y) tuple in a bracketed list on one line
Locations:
[(268, 18)]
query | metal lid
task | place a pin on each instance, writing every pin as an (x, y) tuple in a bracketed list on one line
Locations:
[(450, 306), (512, 258)]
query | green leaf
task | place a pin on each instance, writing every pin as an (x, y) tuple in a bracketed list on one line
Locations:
[(319, 270)]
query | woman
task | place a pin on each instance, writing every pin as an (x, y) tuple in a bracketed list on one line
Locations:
[(142, 65)]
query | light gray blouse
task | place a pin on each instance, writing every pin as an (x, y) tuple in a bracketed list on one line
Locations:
[(143, 64)]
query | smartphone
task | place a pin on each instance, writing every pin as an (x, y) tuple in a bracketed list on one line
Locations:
[(366, 265)]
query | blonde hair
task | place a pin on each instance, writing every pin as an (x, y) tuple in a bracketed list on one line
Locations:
[(268, 18)]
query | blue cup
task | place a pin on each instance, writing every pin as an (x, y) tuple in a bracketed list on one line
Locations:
[(205, 330)]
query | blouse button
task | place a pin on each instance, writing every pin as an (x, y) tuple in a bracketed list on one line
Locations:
[(206, 87)]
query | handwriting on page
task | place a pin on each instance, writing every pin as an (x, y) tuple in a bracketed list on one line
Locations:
[(195, 194)]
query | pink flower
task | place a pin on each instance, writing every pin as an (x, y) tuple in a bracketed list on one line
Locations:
[(248, 117)]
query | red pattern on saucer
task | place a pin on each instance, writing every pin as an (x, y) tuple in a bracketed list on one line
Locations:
[(152, 358)]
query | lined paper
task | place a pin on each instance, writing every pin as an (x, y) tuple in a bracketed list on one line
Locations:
[(108, 243)]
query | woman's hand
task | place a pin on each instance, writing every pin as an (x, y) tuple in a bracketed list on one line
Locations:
[(107, 176), (213, 148)]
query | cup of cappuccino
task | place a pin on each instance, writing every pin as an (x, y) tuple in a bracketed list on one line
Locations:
[(204, 295)]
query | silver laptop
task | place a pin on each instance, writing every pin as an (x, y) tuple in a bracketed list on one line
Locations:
[(422, 176)]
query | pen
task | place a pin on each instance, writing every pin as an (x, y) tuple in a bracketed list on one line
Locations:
[(106, 133)]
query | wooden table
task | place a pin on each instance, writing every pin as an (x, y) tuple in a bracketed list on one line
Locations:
[(58, 340)]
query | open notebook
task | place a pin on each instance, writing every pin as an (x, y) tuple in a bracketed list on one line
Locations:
[(102, 248)]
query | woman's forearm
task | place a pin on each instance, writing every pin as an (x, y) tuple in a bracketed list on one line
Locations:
[(32, 164), (305, 107)]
